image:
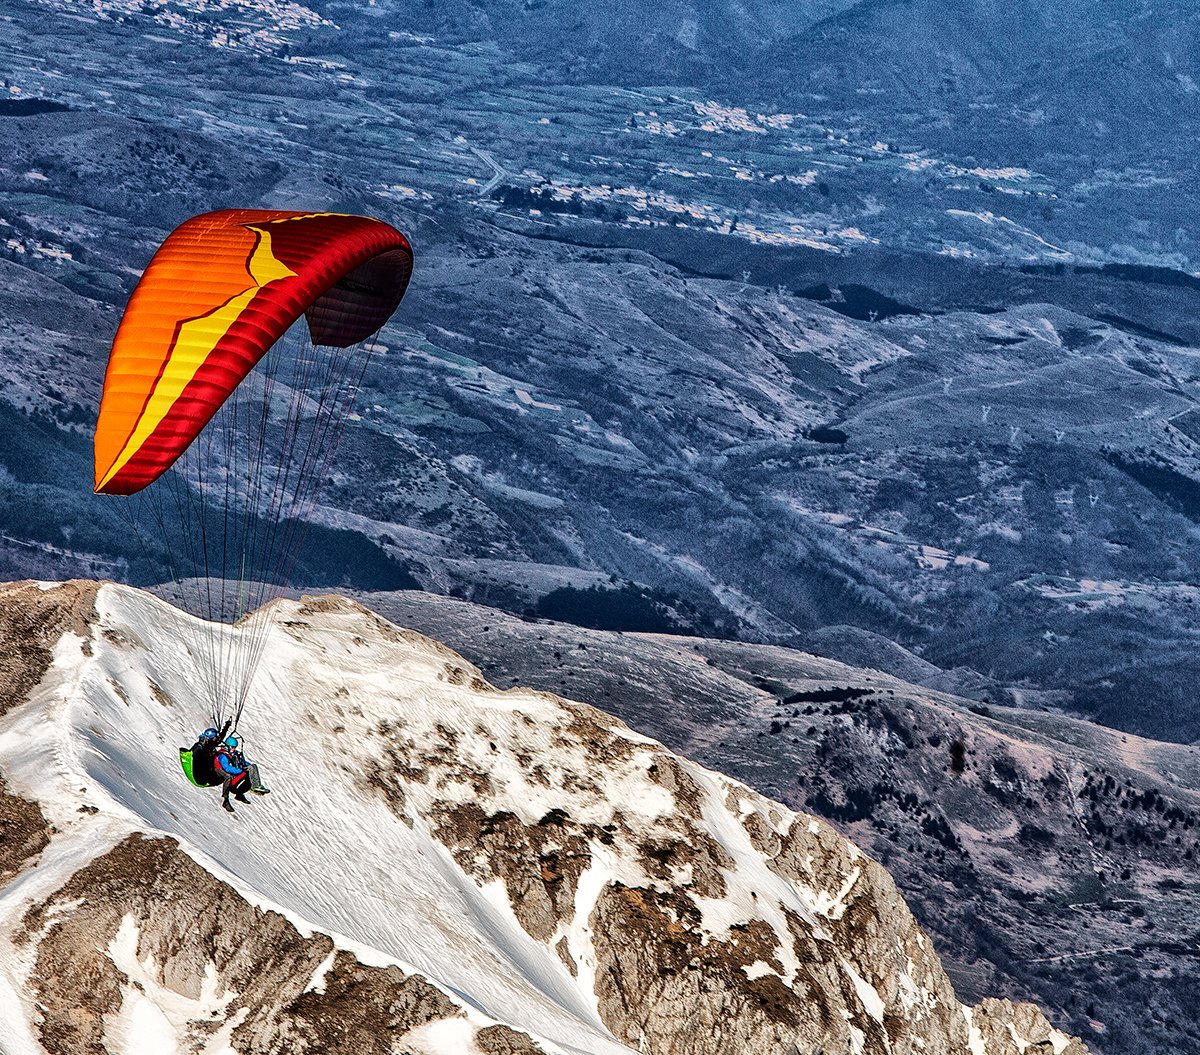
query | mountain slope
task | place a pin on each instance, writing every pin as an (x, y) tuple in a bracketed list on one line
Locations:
[(1051, 859), (442, 866)]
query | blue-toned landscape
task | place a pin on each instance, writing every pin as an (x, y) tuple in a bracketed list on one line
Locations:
[(815, 386)]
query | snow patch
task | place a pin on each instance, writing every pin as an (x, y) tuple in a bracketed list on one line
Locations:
[(316, 984), (447, 1036), (759, 969), (868, 995), (975, 1044), (152, 1016), (834, 907)]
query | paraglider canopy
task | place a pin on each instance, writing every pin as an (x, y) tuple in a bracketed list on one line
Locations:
[(219, 292), (219, 392)]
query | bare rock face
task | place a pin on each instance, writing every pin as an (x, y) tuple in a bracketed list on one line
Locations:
[(501, 1040), (543, 862), (690, 950), (365, 1009), (1006, 1028), (879, 939), (32, 619), (662, 988), (1002, 826), (146, 917), (23, 832)]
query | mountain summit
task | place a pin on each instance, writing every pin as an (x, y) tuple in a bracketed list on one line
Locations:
[(444, 867)]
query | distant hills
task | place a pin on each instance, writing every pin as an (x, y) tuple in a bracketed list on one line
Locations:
[(900, 354)]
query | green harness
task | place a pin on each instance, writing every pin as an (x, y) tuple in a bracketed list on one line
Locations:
[(185, 761)]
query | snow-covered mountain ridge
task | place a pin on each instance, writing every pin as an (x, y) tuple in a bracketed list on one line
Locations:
[(443, 866)]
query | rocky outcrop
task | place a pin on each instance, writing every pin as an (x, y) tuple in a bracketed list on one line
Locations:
[(1002, 1027), (869, 922), (1002, 826), (32, 619), (145, 917), (691, 951), (500, 1040), (663, 988), (23, 832)]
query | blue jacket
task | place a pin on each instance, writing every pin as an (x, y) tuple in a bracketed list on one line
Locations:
[(226, 762)]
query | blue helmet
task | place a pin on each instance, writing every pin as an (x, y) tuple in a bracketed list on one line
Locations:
[(232, 741), (209, 734)]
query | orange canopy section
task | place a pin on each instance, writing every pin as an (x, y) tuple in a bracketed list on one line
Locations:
[(219, 292)]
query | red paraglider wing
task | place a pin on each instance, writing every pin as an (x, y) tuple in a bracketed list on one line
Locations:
[(219, 292)]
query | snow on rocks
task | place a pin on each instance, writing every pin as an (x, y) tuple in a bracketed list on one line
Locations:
[(443, 866)]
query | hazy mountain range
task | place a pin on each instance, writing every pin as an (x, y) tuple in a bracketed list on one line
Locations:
[(900, 352)]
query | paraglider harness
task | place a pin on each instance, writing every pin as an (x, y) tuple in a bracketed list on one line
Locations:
[(199, 760), (236, 784)]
